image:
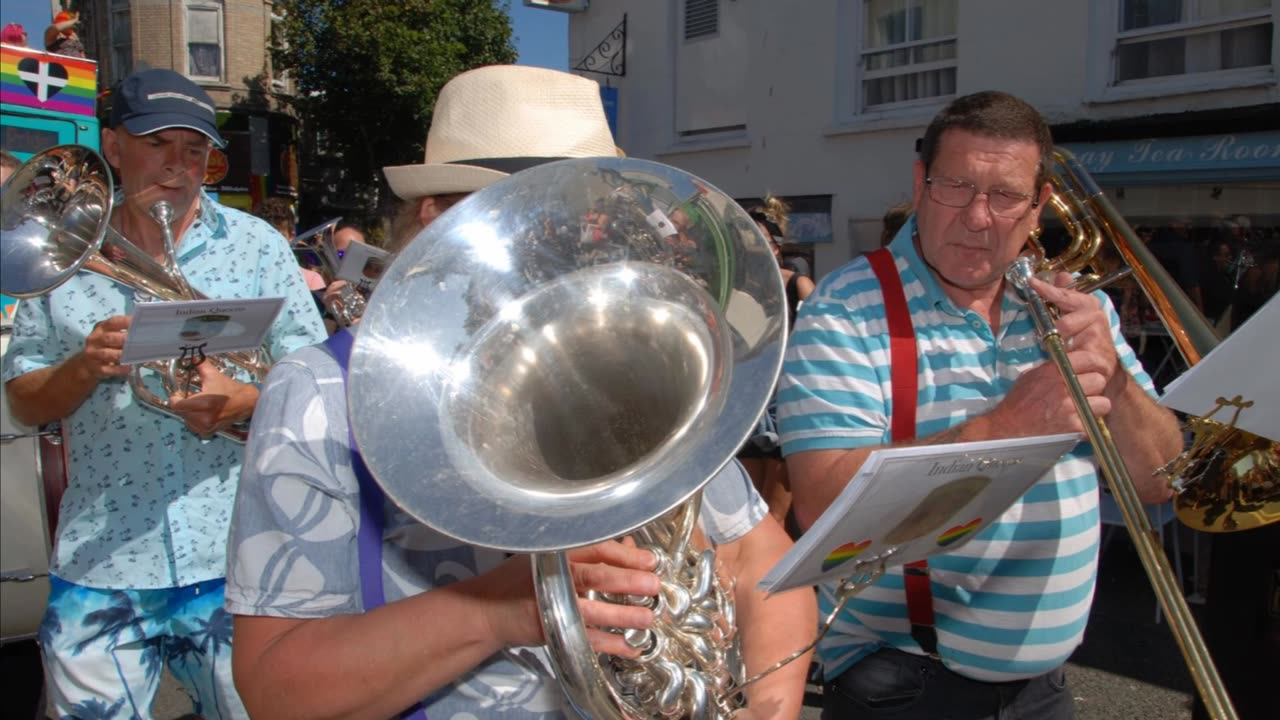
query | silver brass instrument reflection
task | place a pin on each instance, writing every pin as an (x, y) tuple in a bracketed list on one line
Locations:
[(1091, 221), (315, 249), (56, 222), (554, 363)]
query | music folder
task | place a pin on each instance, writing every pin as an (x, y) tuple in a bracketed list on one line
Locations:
[(906, 504), (197, 328), (1237, 366)]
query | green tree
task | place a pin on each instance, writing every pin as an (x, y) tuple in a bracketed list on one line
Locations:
[(367, 73)]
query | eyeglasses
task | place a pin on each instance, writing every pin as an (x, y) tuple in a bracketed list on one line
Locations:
[(959, 193)]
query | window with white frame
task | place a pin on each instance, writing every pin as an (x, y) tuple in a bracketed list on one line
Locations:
[(908, 51), (204, 41), (1160, 38), (121, 40)]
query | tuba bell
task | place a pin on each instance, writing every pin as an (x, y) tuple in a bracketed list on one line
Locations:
[(565, 357), (56, 213)]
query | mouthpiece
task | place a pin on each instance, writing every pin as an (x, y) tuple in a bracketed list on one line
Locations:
[(1020, 273), (162, 212)]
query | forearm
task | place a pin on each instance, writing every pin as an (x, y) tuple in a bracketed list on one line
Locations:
[(52, 393), (372, 665), (773, 627), (1147, 436)]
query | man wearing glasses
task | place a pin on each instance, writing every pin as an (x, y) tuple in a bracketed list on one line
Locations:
[(983, 631)]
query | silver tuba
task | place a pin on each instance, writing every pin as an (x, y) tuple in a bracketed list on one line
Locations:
[(56, 222), (566, 357), (314, 249)]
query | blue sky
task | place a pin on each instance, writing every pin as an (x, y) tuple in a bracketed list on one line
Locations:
[(542, 36), (34, 15)]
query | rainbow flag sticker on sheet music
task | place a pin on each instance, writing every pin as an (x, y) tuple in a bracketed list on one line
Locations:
[(844, 553), (953, 535)]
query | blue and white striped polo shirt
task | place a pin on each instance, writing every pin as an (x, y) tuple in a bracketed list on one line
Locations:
[(1014, 601)]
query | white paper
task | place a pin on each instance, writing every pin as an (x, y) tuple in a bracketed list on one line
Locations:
[(362, 266), (165, 330), (906, 504), (1244, 364)]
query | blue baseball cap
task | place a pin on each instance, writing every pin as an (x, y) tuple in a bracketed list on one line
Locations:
[(152, 100)]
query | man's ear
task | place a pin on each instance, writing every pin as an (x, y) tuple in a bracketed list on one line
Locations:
[(917, 183), (111, 147), (427, 211)]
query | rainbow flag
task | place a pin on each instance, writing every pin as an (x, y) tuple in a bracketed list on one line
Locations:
[(36, 79)]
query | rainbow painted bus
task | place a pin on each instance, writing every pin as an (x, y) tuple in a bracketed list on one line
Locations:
[(45, 100)]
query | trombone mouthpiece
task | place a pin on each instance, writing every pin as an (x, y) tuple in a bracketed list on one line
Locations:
[(162, 212), (1020, 273)]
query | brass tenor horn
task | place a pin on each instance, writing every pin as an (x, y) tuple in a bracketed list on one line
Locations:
[(314, 248), (1094, 224), (565, 357), (56, 223)]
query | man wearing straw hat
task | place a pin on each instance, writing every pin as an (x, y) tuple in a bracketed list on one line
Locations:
[(457, 632)]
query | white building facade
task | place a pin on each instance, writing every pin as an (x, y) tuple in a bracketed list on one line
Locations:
[(1173, 104)]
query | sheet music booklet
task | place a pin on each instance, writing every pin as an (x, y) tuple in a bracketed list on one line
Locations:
[(906, 504)]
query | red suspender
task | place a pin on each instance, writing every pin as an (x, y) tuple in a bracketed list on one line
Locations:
[(903, 378), (902, 346)]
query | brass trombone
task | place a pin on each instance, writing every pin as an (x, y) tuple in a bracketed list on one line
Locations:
[(1091, 220)]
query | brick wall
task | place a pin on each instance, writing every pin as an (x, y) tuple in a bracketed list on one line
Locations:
[(159, 40)]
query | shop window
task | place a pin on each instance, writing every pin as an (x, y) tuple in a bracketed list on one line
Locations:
[(908, 51), (1183, 44), (121, 40), (204, 42)]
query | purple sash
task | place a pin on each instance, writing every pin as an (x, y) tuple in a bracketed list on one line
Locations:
[(372, 521)]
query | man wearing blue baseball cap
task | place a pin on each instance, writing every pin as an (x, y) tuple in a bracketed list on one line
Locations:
[(137, 575)]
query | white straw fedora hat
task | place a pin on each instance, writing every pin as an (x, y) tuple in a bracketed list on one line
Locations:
[(500, 119)]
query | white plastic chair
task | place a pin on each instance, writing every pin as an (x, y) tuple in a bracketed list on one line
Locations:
[(1159, 516)]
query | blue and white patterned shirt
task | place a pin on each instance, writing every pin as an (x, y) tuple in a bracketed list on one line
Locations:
[(293, 550), (149, 502), (1014, 601)]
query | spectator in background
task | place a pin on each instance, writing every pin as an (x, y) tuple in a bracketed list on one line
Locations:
[(1219, 285), (278, 212), (9, 163), (1258, 283), (344, 235), (761, 455), (14, 34), (1173, 247), (61, 37), (894, 217)]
